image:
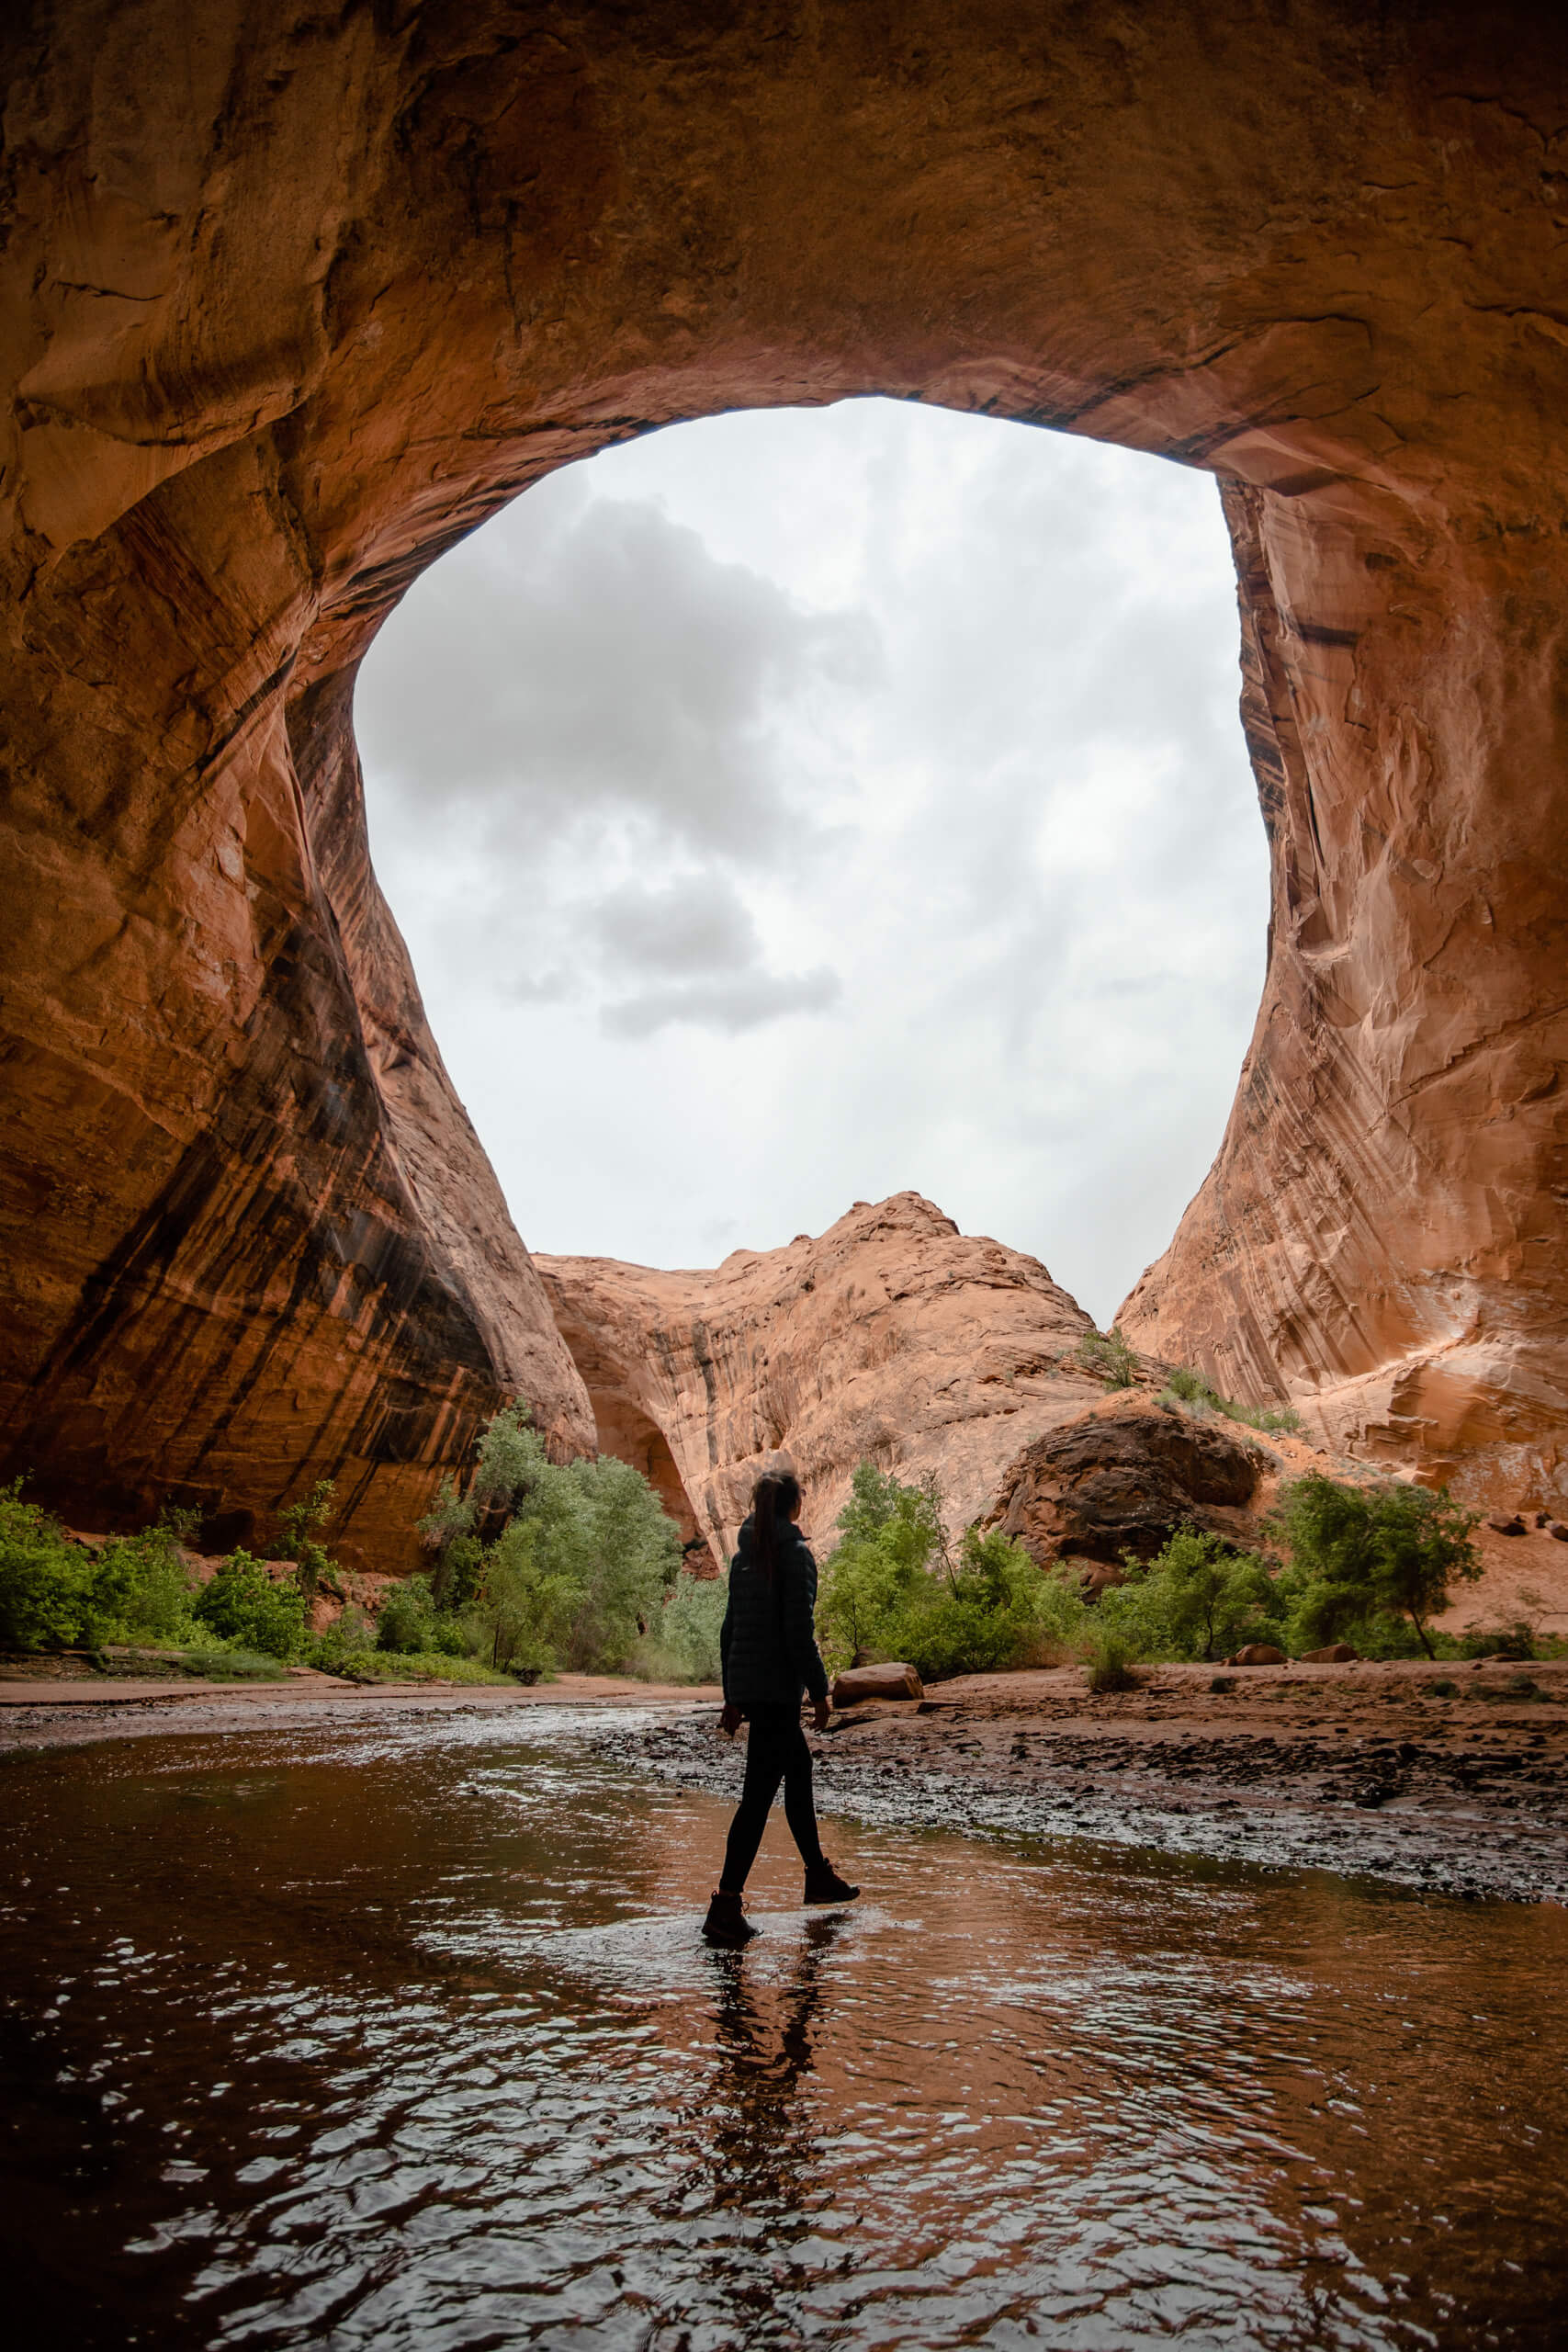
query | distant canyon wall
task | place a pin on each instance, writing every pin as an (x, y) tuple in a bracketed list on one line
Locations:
[(291, 301), (891, 1338)]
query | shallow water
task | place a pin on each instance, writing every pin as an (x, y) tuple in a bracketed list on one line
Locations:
[(404, 2037)]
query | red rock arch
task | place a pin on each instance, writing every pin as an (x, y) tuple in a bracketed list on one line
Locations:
[(294, 298)]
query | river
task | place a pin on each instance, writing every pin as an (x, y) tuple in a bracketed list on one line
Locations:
[(401, 2035)]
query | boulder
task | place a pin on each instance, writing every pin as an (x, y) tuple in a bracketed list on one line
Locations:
[(861, 1682), (1123, 1480), (1558, 1529), (1335, 1654), (1259, 1654), (1513, 1526)]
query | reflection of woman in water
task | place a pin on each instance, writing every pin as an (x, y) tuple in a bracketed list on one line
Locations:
[(759, 2140), (770, 1658)]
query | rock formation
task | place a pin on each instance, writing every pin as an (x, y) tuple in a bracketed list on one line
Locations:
[(293, 300), (1124, 1477), (891, 1337)]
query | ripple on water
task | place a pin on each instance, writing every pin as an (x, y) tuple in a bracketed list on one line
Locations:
[(407, 2037)]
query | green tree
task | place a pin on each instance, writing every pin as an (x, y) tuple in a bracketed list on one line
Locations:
[(1199, 1597), (896, 1587), (1366, 1558), (303, 1522), (582, 1554)]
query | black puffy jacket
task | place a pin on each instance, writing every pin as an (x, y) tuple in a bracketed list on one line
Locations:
[(768, 1644)]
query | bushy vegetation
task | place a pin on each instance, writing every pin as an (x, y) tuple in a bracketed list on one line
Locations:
[(243, 1604), (895, 1587), (540, 1565), (1108, 1354), (1371, 1564), (1190, 1388), (681, 1642), (138, 1590)]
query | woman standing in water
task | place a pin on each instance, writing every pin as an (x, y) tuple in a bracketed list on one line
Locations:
[(770, 1658)]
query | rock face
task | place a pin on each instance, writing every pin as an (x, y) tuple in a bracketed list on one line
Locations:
[(1122, 1478), (892, 1336), (293, 300)]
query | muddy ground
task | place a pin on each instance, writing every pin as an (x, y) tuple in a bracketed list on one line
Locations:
[(1450, 1778)]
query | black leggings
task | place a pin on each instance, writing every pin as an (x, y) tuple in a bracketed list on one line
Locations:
[(775, 1751)]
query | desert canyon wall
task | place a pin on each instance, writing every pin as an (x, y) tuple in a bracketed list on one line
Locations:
[(295, 298)]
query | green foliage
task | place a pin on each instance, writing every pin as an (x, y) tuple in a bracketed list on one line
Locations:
[(302, 1522), (1110, 1659), (140, 1591), (1190, 1388), (45, 1578), (1197, 1598), (54, 1592), (528, 1603), (682, 1641), (1108, 1354), (347, 1639), (1371, 1565), (576, 1575), (410, 1621), (226, 1664), (893, 1588), (243, 1604), (417, 1665)]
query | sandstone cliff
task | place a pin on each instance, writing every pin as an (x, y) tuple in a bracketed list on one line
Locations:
[(292, 301), (892, 1336)]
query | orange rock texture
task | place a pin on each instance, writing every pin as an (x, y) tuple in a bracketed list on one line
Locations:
[(292, 298), (891, 1337)]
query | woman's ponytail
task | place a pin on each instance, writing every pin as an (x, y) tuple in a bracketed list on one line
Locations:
[(775, 1501)]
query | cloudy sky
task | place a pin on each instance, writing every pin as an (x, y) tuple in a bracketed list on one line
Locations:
[(793, 807)]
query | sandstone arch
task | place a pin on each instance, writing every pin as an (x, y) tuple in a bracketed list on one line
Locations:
[(295, 298)]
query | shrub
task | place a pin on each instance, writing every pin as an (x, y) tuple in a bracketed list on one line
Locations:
[(1108, 1354), (349, 1637), (1188, 1387), (244, 1605), (234, 1665), (140, 1591), (300, 1522), (45, 1578), (1371, 1564), (1109, 1662)]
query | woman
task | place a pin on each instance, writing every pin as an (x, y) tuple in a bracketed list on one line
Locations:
[(770, 1657)]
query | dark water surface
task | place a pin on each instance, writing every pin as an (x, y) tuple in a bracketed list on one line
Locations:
[(403, 2036)]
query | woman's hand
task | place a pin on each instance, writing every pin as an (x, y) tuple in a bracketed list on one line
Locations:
[(820, 1711), (729, 1720)]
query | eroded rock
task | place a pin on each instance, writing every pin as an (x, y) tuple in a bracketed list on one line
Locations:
[(292, 303), (1123, 1478)]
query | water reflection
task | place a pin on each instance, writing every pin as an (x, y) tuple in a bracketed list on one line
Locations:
[(410, 2040), (763, 2139)]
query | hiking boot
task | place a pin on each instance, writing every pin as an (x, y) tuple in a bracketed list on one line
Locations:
[(823, 1884), (726, 1924)]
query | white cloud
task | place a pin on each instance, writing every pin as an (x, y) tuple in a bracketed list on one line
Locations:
[(813, 804)]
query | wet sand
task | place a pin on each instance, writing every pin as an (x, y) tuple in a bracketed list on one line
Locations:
[(1362, 1770)]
